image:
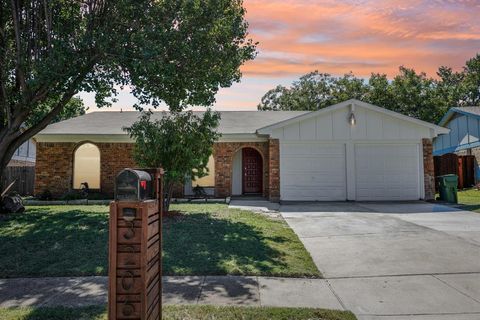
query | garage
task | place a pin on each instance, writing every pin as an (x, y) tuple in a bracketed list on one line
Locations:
[(387, 172), (354, 151), (313, 172), (317, 172)]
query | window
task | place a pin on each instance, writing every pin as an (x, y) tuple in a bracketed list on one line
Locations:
[(209, 179), (86, 166)]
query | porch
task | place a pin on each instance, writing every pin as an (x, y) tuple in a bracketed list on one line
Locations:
[(247, 169)]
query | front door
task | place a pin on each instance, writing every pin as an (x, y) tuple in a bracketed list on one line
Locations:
[(252, 171)]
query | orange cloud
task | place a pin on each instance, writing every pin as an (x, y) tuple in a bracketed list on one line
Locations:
[(362, 36), (339, 36)]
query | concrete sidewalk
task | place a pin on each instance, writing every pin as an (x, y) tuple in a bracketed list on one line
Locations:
[(216, 290), (426, 297)]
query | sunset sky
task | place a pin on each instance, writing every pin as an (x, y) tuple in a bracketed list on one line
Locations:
[(362, 36)]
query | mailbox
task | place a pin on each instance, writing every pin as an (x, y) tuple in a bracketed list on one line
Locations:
[(133, 185), (135, 246)]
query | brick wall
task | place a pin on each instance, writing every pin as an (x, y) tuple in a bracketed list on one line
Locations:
[(428, 169), (274, 170), (54, 165), (223, 153), (53, 168), (114, 157)]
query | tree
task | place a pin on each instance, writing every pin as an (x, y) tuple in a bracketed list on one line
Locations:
[(411, 93), (73, 108), (174, 52), (471, 82), (179, 142), (414, 95), (349, 87), (450, 88), (379, 91), (314, 91), (275, 99)]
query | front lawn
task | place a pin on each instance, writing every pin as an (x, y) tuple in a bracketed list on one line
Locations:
[(212, 239), (181, 313), (55, 241), (205, 239), (469, 199)]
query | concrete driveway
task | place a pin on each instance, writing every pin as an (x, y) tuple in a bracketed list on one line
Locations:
[(410, 260)]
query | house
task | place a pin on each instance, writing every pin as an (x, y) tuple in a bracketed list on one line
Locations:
[(464, 136), (21, 170), (348, 151), (24, 156)]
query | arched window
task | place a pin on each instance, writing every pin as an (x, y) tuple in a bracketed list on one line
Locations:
[(209, 179), (86, 166)]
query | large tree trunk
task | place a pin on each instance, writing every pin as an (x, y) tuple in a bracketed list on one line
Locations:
[(169, 193), (8, 145), (5, 157)]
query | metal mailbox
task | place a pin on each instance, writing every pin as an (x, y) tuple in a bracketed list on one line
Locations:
[(133, 185)]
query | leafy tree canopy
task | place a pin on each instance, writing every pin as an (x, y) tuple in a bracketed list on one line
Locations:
[(179, 142), (175, 52), (411, 93), (74, 108)]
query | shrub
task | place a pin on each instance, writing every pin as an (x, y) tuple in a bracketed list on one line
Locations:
[(45, 195), (72, 195)]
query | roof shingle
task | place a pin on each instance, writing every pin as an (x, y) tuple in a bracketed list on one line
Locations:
[(473, 110), (112, 122)]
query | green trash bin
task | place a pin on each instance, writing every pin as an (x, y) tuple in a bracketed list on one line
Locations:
[(448, 188)]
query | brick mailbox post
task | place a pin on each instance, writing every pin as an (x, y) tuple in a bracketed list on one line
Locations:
[(135, 269)]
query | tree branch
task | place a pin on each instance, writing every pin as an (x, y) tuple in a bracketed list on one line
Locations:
[(67, 96), (16, 26)]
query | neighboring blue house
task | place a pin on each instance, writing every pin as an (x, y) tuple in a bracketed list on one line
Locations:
[(464, 136)]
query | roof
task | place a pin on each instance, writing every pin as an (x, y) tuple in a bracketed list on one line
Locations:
[(112, 122), (471, 111), (437, 129)]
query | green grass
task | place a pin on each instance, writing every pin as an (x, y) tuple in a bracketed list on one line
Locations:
[(55, 313), (206, 239), (181, 313), (212, 239), (55, 241), (469, 199)]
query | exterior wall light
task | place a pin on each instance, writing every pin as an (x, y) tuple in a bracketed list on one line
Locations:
[(351, 119)]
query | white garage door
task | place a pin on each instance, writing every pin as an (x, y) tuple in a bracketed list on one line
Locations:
[(387, 172), (312, 171)]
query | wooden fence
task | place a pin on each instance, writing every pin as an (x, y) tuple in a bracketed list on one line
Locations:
[(25, 179), (462, 166)]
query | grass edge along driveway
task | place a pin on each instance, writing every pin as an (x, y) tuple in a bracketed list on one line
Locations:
[(180, 313), (205, 239), (469, 199)]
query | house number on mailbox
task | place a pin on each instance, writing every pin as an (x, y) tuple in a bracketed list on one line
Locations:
[(127, 284), (129, 215)]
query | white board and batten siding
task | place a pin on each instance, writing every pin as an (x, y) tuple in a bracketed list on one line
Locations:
[(324, 158)]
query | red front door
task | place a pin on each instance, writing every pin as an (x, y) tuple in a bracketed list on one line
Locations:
[(252, 171)]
